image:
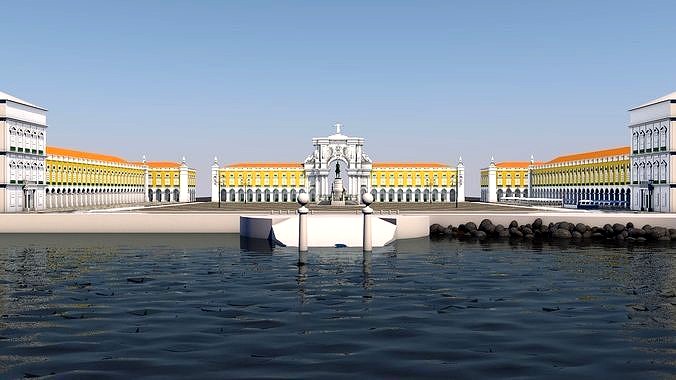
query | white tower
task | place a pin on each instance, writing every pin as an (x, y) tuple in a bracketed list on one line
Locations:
[(183, 188), (214, 180), (492, 182), (461, 180)]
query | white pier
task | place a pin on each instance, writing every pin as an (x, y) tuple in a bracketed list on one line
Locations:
[(329, 230)]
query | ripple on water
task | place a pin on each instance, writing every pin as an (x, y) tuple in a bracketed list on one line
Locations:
[(199, 306)]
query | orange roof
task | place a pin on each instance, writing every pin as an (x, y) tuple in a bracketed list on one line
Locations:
[(589, 155), (266, 165), (52, 150), (409, 165), (162, 164), (514, 164)]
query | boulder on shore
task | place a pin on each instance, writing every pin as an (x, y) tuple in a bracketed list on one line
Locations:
[(537, 224), (562, 233), (487, 226)]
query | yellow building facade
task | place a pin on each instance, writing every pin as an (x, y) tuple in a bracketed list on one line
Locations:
[(283, 181), (413, 182), (511, 179), (76, 179), (170, 182), (601, 175), (261, 182)]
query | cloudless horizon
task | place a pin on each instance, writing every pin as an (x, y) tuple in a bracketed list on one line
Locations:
[(256, 80)]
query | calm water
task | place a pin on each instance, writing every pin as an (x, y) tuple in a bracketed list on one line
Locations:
[(200, 307)]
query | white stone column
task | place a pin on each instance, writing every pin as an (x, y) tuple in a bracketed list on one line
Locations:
[(367, 242), (183, 189), (215, 178), (303, 199), (492, 182), (460, 173)]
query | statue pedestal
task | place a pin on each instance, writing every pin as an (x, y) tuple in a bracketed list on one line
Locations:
[(337, 191)]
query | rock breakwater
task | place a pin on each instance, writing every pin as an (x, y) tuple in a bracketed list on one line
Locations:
[(554, 231)]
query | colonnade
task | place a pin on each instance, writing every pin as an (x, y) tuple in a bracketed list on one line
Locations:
[(594, 193), (74, 198), (413, 195)]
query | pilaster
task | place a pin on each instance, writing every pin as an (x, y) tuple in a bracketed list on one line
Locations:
[(492, 182), (215, 178)]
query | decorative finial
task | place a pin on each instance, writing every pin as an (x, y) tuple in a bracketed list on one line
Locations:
[(532, 159), (460, 159), (215, 159), (338, 126), (144, 158), (492, 160)]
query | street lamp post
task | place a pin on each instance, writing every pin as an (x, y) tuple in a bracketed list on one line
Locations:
[(220, 183)]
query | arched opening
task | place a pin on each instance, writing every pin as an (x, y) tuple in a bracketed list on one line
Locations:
[(240, 195), (426, 195), (452, 195), (249, 195), (517, 193), (167, 195), (293, 195), (275, 195), (224, 195), (266, 194), (500, 194), (416, 195), (331, 165), (509, 192), (435, 195), (232, 195), (158, 195), (444, 195), (628, 200), (390, 195), (285, 195), (383, 195), (409, 195), (400, 195), (259, 195)]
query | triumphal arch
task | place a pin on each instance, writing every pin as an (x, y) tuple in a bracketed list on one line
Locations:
[(348, 152)]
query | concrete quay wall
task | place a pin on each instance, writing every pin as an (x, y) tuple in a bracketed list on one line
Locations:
[(119, 223), (230, 223)]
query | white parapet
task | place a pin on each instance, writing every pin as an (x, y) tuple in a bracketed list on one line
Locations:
[(326, 230)]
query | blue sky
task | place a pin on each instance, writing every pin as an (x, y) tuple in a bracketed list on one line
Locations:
[(256, 80)]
